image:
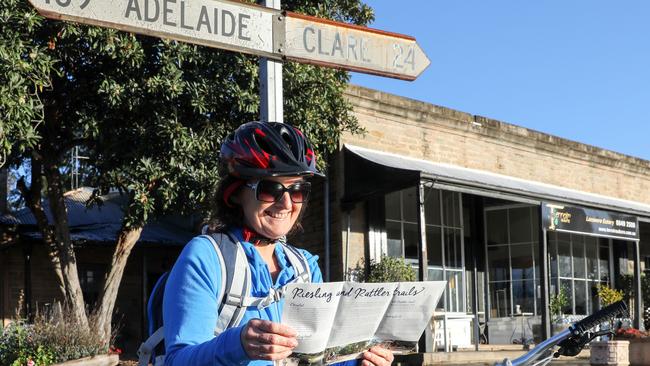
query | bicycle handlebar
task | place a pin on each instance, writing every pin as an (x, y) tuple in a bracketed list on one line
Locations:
[(602, 315), (572, 339)]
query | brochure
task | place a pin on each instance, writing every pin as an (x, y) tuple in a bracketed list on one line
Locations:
[(338, 321)]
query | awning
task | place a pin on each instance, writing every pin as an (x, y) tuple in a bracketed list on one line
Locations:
[(371, 172)]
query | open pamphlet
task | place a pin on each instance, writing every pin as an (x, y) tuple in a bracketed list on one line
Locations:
[(338, 321)]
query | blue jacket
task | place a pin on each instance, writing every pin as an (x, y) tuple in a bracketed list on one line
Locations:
[(190, 308)]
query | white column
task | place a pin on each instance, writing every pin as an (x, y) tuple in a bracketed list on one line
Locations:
[(271, 107)]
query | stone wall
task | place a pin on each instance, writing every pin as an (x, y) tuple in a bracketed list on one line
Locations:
[(425, 131)]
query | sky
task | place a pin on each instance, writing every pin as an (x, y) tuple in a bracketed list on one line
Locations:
[(576, 69)]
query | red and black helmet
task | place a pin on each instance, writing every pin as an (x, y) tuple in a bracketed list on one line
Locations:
[(268, 149)]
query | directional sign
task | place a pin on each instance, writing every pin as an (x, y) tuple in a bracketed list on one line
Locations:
[(215, 23), (350, 47), (252, 29)]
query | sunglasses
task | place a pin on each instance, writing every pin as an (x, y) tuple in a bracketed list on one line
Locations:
[(271, 191)]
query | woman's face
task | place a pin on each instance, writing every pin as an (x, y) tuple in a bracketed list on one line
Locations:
[(270, 219)]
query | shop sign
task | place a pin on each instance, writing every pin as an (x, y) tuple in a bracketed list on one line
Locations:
[(573, 219)]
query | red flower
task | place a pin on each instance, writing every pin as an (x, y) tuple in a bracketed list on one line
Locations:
[(114, 351), (630, 333)]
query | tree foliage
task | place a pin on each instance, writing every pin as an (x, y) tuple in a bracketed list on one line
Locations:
[(149, 113)]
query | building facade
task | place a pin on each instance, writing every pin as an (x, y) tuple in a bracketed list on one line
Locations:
[(507, 216)]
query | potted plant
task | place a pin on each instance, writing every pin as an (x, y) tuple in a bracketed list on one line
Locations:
[(557, 302), (639, 345), (610, 352)]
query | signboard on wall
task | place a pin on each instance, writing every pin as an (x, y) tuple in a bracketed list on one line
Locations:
[(580, 220)]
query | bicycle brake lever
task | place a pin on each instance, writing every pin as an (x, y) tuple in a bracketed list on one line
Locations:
[(574, 345)]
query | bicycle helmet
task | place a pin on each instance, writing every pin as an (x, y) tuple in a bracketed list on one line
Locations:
[(268, 149)]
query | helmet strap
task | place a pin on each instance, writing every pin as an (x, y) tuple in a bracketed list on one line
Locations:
[(232, 188), (255, 238)]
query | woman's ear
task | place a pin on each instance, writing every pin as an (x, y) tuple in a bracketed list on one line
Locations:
[(235, 199)]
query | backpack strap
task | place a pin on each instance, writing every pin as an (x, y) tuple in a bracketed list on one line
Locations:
[(302, 275), (146, 349), (236, 279), (154, 318), (298, 262)]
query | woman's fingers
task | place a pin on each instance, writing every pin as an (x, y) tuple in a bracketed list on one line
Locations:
[(266, 340), (377, 356), (276, 328)]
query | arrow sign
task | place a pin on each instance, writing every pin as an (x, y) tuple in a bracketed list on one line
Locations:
[(340, 45), (214, 23), (252, 29)]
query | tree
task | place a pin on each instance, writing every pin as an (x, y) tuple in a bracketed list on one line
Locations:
[(149, 113)]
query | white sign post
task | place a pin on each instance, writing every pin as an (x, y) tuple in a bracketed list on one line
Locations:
[(248, 28), (271, 96)]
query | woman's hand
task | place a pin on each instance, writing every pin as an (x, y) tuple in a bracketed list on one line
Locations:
[(377, 356), (266, 340)]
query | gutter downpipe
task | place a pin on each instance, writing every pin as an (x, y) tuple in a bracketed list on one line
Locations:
[(326, 219), (347, 247)]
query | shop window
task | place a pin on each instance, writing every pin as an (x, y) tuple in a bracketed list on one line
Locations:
[(497, 227), (434, 245), (511, 259), (564, 258), (603, 262), (410, 208), (432, 208), (500, 299), (394, 239), (524, 293), (499, 263), (393, 209), (582, 263), (444, 238), (591, 254), (521, 259), (519, 225), (453, 248)]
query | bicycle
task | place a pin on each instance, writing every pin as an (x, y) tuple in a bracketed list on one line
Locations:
[(570, 341)]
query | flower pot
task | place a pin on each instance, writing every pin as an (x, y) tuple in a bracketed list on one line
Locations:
[(99, 360), (610, 353), (639, 351)]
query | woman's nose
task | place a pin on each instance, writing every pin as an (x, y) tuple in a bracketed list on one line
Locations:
[(285, 200)]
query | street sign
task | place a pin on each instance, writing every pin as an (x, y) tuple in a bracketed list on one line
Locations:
[(252, 29), (222, 24), (334, 44)]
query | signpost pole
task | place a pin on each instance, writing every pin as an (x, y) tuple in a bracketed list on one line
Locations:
[(271, 107)]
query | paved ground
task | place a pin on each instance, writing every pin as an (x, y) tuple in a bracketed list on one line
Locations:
[(487, 356)]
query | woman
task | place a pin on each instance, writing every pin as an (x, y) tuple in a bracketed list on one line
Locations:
[(260, 200)]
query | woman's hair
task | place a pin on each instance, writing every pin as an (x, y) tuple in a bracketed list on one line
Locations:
[(228, 215)]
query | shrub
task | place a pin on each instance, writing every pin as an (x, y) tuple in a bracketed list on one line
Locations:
[(609, 295), (557, 303), (387, 269), (55, 336), (19, 343)]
